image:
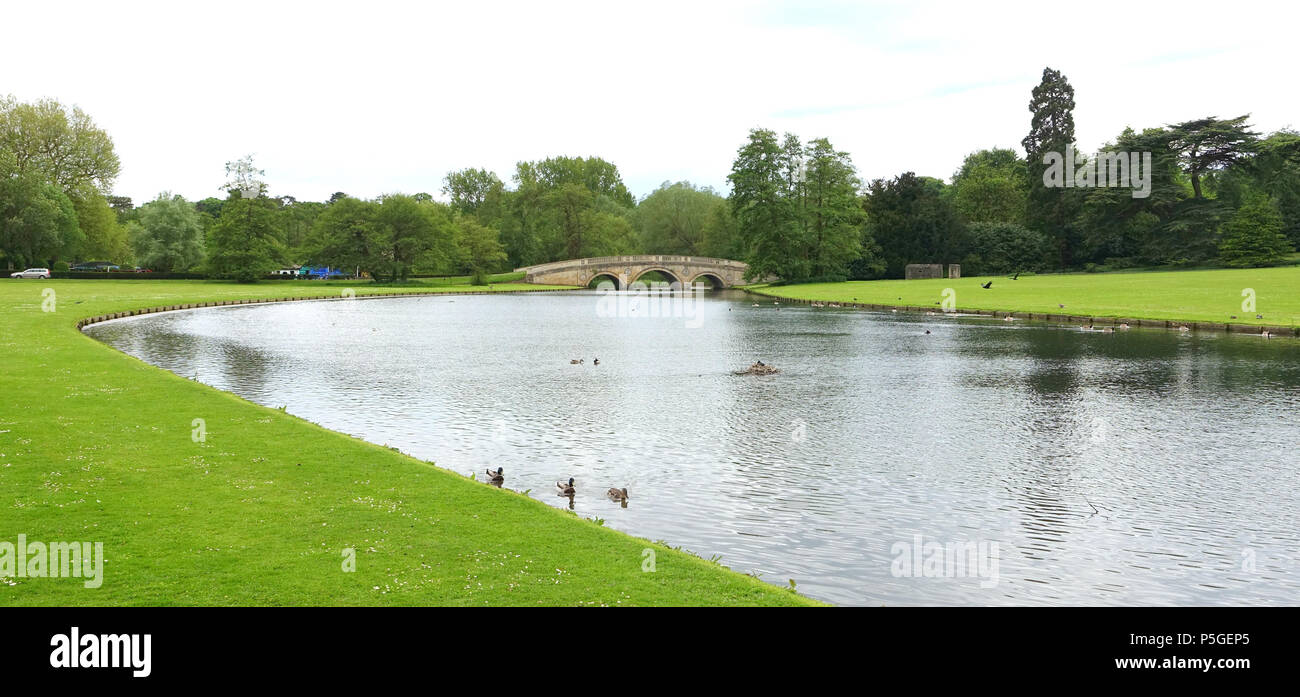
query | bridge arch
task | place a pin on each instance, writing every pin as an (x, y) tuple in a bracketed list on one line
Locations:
[(711, 278), (606, 275), (672, 277)]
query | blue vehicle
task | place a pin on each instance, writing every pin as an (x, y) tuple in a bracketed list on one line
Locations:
[(322, 272)]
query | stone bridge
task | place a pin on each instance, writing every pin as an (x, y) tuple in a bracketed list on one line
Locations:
[(623, 271)]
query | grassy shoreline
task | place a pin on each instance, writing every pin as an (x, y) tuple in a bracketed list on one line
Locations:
[(1200, 299), (96, 446)]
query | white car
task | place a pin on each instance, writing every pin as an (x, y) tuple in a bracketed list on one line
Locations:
[(31, 273)]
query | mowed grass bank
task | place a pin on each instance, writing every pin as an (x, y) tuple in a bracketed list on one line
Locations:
[(1190, 296), (96, 446)]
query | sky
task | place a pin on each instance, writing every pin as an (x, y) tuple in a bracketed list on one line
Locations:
[(379, 97)]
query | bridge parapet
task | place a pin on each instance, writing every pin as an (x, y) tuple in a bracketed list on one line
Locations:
[(623, 270)]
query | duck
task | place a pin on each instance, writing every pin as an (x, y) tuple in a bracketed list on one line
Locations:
[(1266, 333), (1123, 325), (565, 489), (596, 362), (576, 361), (1184, 328), (497, 476), (617, 494)]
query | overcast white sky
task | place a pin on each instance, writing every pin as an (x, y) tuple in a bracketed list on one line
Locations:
[(376, 97)]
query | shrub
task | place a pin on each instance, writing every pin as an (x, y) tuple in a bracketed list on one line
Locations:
[(1006, 248), (1253, 235)]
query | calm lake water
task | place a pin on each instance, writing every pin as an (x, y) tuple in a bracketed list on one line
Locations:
[(1140, 467)]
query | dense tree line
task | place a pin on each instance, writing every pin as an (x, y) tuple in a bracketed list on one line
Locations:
[(1218, 193)]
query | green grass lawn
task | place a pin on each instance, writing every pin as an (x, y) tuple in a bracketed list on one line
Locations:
[(1192, 296), (96, 446)]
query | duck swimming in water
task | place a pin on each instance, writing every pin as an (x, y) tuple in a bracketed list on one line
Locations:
[(566, 489), (617, 494), (576, 361), (496, 477)]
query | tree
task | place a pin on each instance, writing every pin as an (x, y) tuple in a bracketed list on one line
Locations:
[(1274, 171), (480, 249), (1253, 235), (721, 238), (570, 206), (676, 218), (168, 236), (244, 243), (1051, 210), (105, 236), (58, 145), (295, 219), (991, 187), (598, 176), (763, 209), (560, 207), (913, 221), (519, 224), (999, 248), (38, 223), (833, 215), (1117, 228), (121, 205), (471, 189), (244, 178), (1209, 144), (408, 233), (346, 235)]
